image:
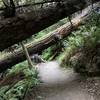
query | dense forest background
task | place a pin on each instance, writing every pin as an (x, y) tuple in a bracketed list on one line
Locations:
[(72, 39)]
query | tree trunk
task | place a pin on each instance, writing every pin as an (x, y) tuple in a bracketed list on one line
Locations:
[(43, 43), (20, 27)]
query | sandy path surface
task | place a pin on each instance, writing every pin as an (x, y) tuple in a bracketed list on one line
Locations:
[(71, 87), (75, 89), (69, 91)]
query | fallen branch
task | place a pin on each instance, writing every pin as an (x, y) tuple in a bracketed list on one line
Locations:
[(44, 42), (20, 27)]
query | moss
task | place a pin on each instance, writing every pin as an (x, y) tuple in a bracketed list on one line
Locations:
[(82, 47)]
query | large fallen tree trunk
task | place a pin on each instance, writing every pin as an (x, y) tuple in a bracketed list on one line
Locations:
[(18, 28), (43, 43)]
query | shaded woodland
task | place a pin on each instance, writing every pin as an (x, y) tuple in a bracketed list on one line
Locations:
[(62, 34)]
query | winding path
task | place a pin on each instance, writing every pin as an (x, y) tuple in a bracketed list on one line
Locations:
[(71, 88)]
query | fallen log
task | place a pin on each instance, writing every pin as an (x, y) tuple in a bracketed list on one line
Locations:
[(20, 27), (43, 43)]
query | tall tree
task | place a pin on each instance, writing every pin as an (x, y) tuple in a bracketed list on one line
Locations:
[(9, 10)]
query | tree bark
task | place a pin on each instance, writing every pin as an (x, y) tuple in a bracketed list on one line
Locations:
[(20, 27), (43, 43)]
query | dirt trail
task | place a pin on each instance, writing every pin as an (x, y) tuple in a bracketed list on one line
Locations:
[(69, 91), (76, 89), (73, 87)]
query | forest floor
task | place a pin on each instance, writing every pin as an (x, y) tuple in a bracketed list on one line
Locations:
[(75, 88)]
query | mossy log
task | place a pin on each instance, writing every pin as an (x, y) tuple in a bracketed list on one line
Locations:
[(43, 43), (20, 27)]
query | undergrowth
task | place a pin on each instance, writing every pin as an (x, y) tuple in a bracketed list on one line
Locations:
[(17, 91), (87, 36)]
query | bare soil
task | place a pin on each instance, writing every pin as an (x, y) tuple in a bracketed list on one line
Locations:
[(75, 88)]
